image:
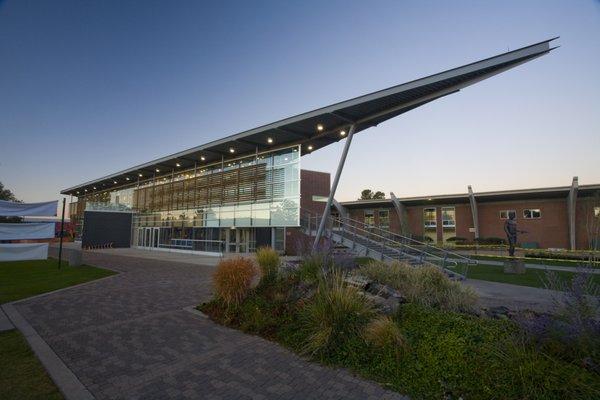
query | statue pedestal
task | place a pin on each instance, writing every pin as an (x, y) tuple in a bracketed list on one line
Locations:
[(514, 267)]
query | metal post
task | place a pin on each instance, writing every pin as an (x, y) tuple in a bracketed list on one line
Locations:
[(62, 231), (334, 187)]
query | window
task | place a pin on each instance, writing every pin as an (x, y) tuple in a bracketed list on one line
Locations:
[(596, 211), (429, 218), (384, 219), (448, 217), (505, 214), (319, 199), (532, 213), (369, 218)]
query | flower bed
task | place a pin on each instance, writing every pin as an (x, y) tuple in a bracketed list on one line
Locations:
[(423, 349)]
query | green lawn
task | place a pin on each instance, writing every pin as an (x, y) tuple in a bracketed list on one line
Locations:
[(531, 277), (22, 376), (21, 279), (495, 273), (534, 260)]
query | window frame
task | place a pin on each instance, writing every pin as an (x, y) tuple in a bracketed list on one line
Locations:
[(531, 210), (507, 214), (444, 225), (432, 224), (372, 218)]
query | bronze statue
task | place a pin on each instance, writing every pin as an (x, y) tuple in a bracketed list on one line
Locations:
[(510, 227)]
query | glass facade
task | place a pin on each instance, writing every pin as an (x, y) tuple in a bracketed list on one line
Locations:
[(214, 207)]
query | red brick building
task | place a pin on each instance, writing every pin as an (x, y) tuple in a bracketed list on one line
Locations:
[(558, 217)]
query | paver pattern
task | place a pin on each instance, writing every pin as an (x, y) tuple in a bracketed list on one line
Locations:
[(127, 337)]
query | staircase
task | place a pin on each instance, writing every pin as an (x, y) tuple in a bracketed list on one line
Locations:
[(380, 244)]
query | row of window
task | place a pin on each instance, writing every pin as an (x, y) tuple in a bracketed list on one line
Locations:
[(529, 213), (448, 217)]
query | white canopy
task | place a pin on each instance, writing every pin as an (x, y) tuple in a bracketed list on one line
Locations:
[(13, 209)]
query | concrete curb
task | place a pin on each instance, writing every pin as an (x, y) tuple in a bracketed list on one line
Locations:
[(193, 310), (68, 287), (5, 324), (66, 381)]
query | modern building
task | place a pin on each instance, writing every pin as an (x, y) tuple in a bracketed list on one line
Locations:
[(248, 189), (566, 217)]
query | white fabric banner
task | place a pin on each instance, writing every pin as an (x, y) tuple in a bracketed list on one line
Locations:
[(35, 230), (23, 251), (12, 209)]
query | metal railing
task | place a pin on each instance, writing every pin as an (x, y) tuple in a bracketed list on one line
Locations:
[(388, 244)]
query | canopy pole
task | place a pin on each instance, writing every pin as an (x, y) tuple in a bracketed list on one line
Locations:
[(334, 187), (62, 233)]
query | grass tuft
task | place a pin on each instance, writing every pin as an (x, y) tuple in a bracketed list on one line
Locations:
[(232, 279)]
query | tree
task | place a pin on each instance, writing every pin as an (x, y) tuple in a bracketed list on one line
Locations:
[(367, 194), (6, 194)]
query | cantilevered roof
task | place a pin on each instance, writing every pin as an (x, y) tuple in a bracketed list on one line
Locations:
[(319, 128)]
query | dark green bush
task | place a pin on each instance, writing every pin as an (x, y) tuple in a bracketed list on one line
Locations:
[(490, 241)]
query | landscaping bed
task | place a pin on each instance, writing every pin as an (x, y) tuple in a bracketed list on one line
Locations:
[(422, 335)]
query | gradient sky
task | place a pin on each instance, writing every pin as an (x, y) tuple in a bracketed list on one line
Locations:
[(88, 88)]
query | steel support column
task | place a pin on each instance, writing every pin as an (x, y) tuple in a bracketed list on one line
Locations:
[(401, 211), (571, 207), (336, 180), (474, 212)]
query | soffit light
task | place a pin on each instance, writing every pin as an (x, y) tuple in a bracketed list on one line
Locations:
[(343, 133), (140, 175), (94, 187), (320, 127), (202, 158), (231, 150), (270, 140), (177, 164), (157, 170), (115, 182), (310, 147), (127, 178)]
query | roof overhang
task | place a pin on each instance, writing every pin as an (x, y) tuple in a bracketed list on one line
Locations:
[(316, 129)]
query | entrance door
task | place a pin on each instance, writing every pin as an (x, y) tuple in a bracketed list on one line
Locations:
[(238, 240), (149, 237)]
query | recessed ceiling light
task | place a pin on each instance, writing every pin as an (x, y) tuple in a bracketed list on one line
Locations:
[(320, 128), (231, 150), (115, 182), (140, 175), (94, 187), (202, 158), (127, 178), (310, 147), (343, 133), (85, 190), (178, 165), (270, 140), (157, 170), (77, 193)]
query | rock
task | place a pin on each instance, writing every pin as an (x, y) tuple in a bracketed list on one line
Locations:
[(387, 306)]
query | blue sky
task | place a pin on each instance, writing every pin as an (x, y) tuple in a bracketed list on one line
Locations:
[(92, 87)]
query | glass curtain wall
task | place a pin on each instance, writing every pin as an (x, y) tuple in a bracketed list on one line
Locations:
[(216, 208)]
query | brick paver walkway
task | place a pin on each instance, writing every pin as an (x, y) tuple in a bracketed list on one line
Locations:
[(127, 337)]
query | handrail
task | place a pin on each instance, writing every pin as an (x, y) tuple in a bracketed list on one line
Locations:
[(404, 248), (414, 241)]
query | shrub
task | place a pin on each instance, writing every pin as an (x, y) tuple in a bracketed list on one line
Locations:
[(490, 241), (268, 260), (572, 331), (383, 332), (456, 239), (312, 266), (232, 279), (426, 285), (336, 314)]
